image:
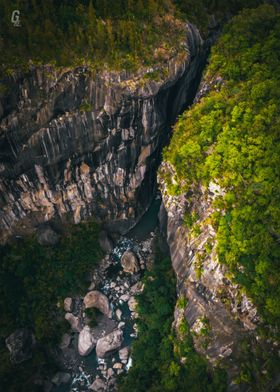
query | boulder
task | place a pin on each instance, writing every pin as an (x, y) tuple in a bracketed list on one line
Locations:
[(119, 314), (137, 288), (98, 385), (68, 304), (109, 343), (47, 236), (20, 344), (129, 262), (86, 341), (74, 322), (105, 242), (110, 372), (124, 354), (124, 297), (132, 303), (117, 365), (95, 299), (61, 378)]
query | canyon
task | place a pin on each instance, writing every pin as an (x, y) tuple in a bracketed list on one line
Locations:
[(77, 145)]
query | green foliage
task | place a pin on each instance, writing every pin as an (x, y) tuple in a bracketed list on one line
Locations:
[(33, 282), (190, 218), (198, 264), (182, 302), (121, 34), (85, 107), (157, 353), (231, 137), (201, 12)]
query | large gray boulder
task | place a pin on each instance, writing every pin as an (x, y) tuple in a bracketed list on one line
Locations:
[(129, 262), (20, 344), (124, 354), (98, 385), (86, 341), (96, 299), (109, 343)]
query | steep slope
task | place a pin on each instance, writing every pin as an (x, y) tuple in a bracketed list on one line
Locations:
[(76, 145), (220, 188)]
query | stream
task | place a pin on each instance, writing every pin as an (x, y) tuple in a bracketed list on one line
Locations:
[(81, 372)]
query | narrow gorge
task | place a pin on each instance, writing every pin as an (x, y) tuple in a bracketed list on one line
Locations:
[(118, 203)]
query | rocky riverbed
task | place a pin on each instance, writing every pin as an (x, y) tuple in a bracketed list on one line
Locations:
[(94, 353)]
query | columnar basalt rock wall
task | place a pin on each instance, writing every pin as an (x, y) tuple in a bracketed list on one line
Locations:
[(75, 145)]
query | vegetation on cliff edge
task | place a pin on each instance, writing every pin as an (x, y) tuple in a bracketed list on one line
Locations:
[(117, 34), (231, 137), (158, 351)]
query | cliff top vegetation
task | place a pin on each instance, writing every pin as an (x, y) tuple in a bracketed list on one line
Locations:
[(119, 34), (231, 137)]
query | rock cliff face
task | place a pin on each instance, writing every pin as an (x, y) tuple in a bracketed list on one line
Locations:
[(213, 302), (76, 145), (222, 318)]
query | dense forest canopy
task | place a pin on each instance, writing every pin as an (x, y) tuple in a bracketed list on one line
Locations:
[(232, 138), (34, 280), (119, 34)]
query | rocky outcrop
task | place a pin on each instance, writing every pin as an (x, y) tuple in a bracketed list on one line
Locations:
[(98, 385), (96, 299), (76, 144), (124, 354), (129, 262), (68, 304), (20, 344), (214, 302), (74, 322), (109, 343), (86, 341)]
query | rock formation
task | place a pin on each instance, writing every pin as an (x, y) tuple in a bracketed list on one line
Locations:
[(129, 262), (109, 343), (86, 341), (95, 299), (76, 145)]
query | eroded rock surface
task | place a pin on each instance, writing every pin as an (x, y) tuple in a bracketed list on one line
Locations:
[(96, 299), (59, 160), (109, 343), (86, 341), (130, 262)]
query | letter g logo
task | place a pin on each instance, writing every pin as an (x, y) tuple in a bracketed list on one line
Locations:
[(15, 18)]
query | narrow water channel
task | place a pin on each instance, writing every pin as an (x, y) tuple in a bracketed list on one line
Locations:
[(115, 284)]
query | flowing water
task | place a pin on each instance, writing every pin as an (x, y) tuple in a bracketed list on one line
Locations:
[(114, 284)]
